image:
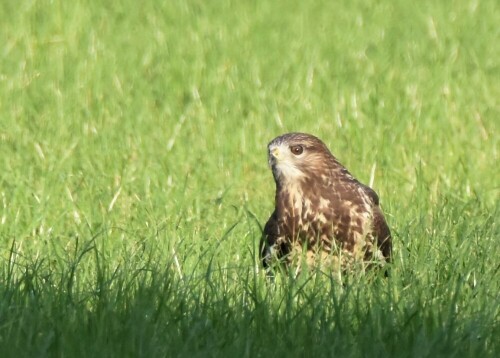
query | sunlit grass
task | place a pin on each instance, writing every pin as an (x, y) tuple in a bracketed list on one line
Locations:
[(134, 175)]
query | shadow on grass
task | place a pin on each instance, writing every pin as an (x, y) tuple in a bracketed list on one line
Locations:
[(82, 304)]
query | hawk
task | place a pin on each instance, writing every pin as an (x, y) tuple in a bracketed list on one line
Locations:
[(322, 213)]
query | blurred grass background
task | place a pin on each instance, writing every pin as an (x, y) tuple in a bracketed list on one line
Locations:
[(134, 174)]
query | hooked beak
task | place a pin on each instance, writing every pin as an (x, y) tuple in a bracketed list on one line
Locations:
[(273, 155)]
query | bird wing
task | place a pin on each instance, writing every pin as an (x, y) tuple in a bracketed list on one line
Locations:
[(382, 233), (379, 225), (269, 237)]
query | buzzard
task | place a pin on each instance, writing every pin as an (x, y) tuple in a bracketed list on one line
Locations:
[(323, 215)]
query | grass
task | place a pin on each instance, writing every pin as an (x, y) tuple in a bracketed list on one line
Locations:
[(134, 178)]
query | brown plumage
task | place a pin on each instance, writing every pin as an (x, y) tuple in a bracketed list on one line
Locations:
[(322, 213)]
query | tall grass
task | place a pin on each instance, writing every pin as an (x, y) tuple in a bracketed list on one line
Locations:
[(134, 178)]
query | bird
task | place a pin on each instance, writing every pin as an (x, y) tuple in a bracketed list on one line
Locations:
[(323, 216)]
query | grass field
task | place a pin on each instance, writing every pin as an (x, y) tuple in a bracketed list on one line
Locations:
[(134, 176)]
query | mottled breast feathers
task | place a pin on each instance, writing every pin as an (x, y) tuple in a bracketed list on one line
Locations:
[(322, 213)]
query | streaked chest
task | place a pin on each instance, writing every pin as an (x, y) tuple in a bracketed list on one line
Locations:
[(322, 211)]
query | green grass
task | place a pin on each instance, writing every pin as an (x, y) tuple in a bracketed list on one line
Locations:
[(134, 176)]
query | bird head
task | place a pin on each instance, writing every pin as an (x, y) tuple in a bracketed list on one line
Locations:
[(295, 156)]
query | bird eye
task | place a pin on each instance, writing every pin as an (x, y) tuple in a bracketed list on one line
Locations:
[(296, 149)]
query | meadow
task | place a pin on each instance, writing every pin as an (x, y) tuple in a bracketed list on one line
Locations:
[(134, 178)]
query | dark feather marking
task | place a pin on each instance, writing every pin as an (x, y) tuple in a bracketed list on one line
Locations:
[(382, 233)]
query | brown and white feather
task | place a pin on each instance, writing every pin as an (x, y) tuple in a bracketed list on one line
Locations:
[(321, 211)]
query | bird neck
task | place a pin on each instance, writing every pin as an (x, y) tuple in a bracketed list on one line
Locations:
[(287, 196)]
